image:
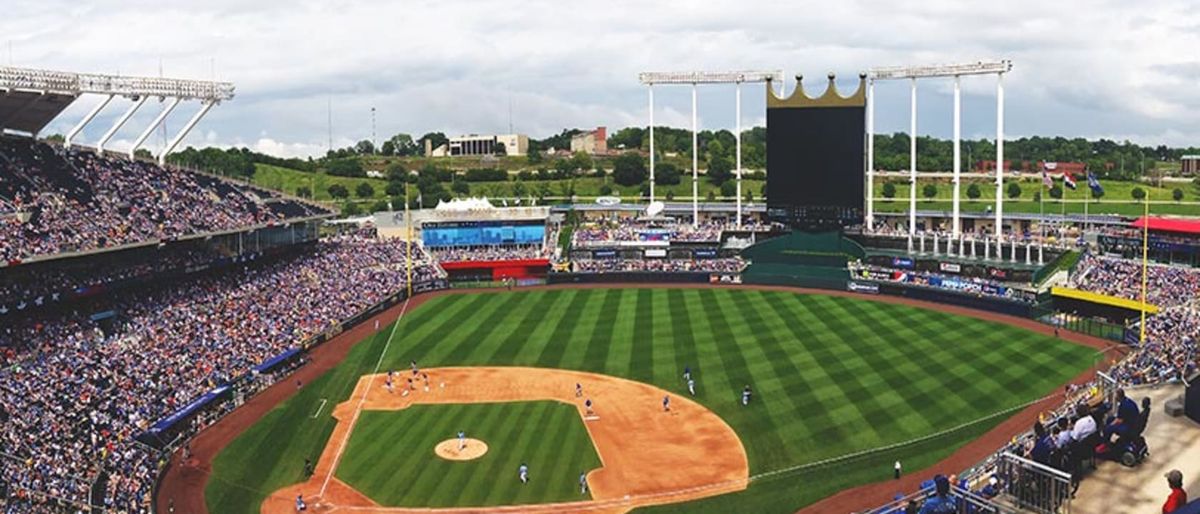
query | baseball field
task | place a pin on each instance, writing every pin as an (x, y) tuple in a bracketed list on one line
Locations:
[(842, 388)]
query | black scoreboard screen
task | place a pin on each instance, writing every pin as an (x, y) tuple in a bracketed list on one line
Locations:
[(815, 166)]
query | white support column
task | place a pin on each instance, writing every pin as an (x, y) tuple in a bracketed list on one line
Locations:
[(137, 143), (912, 162), (999, 154), (738, 127), (695, 164), (162, 157), (870, 218), (120, 123), (86, 119), (651, 143), (956, 223)]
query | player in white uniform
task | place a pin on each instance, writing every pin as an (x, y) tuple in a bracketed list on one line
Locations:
[(692, 387), (523, 473), (462, 440)]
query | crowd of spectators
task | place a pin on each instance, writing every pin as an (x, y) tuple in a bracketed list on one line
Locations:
[(720, 265), (36, 284), (75, 388), (67, 200), (1166, 285), (489, 253)]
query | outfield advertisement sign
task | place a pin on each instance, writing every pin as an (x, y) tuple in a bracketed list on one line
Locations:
[(725, 278), (862, 287), (950, 267), (902, 262)]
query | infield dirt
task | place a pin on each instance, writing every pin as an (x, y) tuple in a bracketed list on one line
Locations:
[(649, 456)]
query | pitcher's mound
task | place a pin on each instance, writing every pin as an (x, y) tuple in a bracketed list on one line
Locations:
[(449, 449)]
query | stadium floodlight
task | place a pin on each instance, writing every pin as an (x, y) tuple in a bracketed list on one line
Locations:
[(940, 70), (28, 86), (693, 78), (75, 84), (707, 77), (912, 74)]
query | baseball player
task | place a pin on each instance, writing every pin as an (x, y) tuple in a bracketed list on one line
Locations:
[(582, 482), (687, 373), (388, 385), (376, 325), (578, 389), (523, 473), (462, 440), (666, 403), (414, 367), (692, 386), (300, 505), (746, 395), (588, 406)]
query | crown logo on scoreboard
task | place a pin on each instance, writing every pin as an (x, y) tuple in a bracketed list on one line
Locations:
[(830, 98)]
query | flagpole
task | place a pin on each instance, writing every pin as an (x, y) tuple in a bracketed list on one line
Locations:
[(1145, 263)]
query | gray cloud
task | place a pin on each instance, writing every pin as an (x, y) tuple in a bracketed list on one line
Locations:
[(1082, 67)]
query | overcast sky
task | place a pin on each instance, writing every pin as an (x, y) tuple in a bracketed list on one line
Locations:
[(1105, 68)]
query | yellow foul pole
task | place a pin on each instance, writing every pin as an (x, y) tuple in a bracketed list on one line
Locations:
[(1145, 264)]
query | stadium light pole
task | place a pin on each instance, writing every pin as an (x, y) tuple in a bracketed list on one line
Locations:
[(998, 68), (651, 88), (999, 155), (137, 143), (695, 163), (871, 155), (738, 127), (912, 160), (955, 222), (86, 119), (112, 131), (695, 78)]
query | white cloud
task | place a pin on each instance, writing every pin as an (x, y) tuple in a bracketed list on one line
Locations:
[(1082, 67)]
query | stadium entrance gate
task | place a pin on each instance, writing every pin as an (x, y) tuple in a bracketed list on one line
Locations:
[(1033, 487)]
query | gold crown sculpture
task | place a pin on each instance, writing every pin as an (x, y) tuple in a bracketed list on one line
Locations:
[(830, 98)]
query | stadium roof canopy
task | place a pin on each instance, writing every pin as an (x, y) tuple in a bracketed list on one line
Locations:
[(1177, 225), (31, 98)]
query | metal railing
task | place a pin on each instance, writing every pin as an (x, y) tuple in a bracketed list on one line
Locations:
[(1034, 487)]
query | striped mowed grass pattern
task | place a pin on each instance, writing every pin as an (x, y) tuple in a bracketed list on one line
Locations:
[(390, 455), (831, 375)]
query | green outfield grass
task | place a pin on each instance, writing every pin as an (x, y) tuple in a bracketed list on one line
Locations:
[(833, 376), (390, 455)]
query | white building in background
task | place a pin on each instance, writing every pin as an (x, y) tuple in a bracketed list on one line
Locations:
[(474, 144)]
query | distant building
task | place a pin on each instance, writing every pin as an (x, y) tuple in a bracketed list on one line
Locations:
[(514, 145), (1074, 168), (591, 142), (1190, 164)]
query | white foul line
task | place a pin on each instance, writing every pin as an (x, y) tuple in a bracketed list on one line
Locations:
[(358, 408), (320, 408)]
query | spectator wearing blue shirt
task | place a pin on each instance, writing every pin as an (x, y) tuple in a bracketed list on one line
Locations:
[(1127, 416), (1042, 445), (941, 502)]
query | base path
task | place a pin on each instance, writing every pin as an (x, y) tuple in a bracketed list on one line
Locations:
[(648, 456)]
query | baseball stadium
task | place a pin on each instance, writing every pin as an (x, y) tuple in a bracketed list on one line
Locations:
[(175, 340)]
